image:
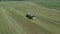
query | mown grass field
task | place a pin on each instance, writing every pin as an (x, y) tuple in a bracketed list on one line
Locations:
[(53, 4), (13, 20), (50, 4)]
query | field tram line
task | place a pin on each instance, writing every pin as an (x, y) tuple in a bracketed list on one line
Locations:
[(2, 12), (11, 22)]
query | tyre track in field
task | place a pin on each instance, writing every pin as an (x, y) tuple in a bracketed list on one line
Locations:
[(7, 20), (10, 27), (4, 21), (10, 22), (14, 23), (17, 25)]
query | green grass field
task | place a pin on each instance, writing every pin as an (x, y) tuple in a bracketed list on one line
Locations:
[(13, 20), (53, 4)]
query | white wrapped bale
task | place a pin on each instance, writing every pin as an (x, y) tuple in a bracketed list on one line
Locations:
[(33, 18)]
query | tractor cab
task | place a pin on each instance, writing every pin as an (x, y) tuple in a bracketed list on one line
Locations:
[(30, 16)]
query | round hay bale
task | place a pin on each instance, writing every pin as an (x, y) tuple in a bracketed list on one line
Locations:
[(33, 18)]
